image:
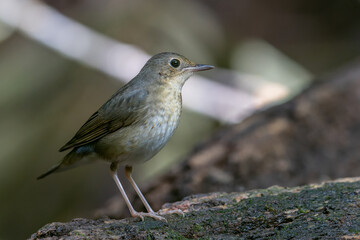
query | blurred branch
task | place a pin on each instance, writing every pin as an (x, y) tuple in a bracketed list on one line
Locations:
[(122, 61)]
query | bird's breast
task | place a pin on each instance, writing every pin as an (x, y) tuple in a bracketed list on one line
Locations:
[(140, 142), (163, 118)]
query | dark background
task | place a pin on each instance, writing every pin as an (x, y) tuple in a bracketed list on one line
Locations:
[(45, 97)]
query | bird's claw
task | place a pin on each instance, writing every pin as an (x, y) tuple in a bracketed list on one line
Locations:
[(153, 215)]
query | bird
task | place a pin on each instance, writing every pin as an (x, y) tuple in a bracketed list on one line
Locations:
[(134, 124)]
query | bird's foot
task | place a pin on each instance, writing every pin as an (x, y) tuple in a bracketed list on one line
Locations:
[(174, 211), (153, 215)]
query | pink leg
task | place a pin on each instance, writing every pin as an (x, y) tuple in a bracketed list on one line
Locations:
[(113, 172), (128, 171)]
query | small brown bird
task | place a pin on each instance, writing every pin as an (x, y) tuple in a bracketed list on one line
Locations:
[(135, 123)]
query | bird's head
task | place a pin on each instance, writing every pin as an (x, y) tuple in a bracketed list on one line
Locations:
[(170, 68)]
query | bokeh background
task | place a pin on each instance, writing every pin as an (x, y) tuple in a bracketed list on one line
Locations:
[(61, 59)]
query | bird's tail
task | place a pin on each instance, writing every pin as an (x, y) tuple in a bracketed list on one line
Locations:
[(50, 171), (72, 159)]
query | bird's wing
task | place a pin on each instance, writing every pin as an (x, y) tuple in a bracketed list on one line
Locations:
[(120, 111)]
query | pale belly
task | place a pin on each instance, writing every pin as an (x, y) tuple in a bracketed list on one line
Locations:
[(137, 144)]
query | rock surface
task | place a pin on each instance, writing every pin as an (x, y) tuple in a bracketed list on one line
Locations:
[(329, 210)]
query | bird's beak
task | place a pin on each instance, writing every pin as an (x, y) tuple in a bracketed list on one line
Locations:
[(199, 67)]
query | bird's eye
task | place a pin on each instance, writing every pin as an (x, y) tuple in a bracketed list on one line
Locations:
[(175, 63)]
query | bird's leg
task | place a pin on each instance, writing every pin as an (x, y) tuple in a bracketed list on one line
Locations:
[(128, 171), (113, 172)]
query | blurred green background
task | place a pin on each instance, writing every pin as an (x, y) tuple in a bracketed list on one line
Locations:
[(275, 48)]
